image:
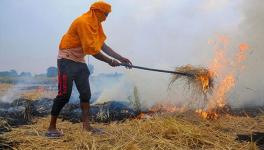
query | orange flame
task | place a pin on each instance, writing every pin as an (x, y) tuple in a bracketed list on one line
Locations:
[(225, 69), (207, 114), (205, 82), (222, 67)]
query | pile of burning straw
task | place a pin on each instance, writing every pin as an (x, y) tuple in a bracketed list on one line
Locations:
[(199, 79)]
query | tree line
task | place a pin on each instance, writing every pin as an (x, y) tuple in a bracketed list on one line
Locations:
[(50, 72)]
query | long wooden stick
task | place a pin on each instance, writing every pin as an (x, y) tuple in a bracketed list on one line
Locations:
[(158, 70)]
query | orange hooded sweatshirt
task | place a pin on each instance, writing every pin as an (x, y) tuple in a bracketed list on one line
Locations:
[(85, 35)]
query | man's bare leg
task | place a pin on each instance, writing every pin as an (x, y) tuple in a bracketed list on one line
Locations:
[(52, 130), (85, 116), (53, 121)]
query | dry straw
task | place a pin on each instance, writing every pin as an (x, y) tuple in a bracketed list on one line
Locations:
[(179, 131), (200, 79)]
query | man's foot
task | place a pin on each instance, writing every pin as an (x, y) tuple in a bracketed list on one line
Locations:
[(53, 134)]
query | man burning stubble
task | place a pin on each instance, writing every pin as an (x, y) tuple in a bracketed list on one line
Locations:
[(84, 37)]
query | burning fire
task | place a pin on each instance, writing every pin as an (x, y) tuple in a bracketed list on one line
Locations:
[(205, 81), (222, 67), (225, 69), (211, 115)]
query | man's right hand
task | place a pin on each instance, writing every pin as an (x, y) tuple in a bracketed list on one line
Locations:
[(114, 63)]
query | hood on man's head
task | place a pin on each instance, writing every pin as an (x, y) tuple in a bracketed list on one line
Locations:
[(102, 6)]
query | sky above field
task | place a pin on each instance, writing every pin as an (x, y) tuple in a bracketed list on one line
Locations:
[(163, 33), (153, 33)]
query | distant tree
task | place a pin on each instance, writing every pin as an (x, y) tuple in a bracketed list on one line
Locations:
[(13, 73), (25, 74), (52, 72), (91, 68), (4, 73)]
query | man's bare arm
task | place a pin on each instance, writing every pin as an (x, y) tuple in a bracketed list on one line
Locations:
[(106, 59), (109, 51)]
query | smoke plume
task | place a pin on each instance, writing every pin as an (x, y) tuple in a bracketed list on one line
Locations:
[(249, 90), (170, 33)]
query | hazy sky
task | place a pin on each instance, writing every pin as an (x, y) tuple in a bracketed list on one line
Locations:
[(153, 33), (163, 33)]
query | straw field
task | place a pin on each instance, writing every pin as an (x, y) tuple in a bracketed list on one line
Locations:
[(4, 88), (177, 131)]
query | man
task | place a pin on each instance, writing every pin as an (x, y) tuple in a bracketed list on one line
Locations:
[(84, 37)]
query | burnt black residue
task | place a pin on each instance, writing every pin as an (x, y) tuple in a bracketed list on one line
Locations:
[(257, 137), (22, 111)]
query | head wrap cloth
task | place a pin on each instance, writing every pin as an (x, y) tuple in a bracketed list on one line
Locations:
[(87, 31), (101, 6), (98, 36)]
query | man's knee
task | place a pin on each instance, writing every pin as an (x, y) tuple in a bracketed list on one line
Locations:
[(85, 97), (58, 104), (64, 99)]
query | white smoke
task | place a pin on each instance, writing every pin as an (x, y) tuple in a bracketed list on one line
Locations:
[(175, 33), (11, 94), (16, 90), (114, 91), (249, 90)]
